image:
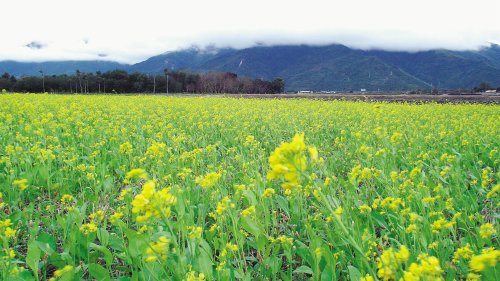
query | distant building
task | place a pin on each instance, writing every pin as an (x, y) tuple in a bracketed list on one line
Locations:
[(491, 91), (363, 90), (304, 92)]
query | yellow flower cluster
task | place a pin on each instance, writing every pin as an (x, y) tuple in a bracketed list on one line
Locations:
[(464, 252), (390, 261), (62, 272), (367, 277), (152, 203), (156, 150), (115, 217), (223, 205), (363, 209), (135, 174), (487, 230), (209, 180), (268, 192), (230, 247), (282, 239), (389, 202), (195, 232), (125, 148), (9, 232), (427, 269), (289, 161), (97, 216), (67, 199), (358, 173), (21, 184), (488, 258), (194, 276), (441, 224), (248, 211), (88, 228), (5, 228), (157, 250)]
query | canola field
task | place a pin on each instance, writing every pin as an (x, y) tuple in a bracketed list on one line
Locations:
[(201, 188)]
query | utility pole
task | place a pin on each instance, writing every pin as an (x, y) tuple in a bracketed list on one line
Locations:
[(167, 83), (154, 83), (43, 80)]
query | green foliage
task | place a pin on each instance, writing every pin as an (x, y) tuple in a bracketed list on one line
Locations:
[(202, 188)]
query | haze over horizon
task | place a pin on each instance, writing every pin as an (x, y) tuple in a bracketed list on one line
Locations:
[(129, 32)]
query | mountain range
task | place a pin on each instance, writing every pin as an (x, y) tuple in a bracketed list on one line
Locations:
[(329, 68)]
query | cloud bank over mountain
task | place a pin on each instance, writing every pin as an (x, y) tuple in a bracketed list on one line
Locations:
[(129, 32)]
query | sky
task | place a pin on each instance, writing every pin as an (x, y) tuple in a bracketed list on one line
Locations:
[(132, 31)]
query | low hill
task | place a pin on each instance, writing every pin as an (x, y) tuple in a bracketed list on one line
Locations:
[(330, 68)]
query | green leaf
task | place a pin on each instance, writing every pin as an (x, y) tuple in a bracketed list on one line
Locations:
[(136, 243), (108, 184), (103, 236), (108, 257), (354, 273), (249, 225), (98, 272), (284, 276), (304, 253), (49, 243), (303, 269), (261, 243), (327, 274), (205, 263), (379, 219), (250, 195), (273, 264), (45, 247), (116, 243), (283, 204), (33, 257)]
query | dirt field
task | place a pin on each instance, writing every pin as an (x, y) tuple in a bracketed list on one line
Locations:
[(474, 98)]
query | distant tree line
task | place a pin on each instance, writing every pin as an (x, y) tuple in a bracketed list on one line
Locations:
[(483, 87), (119, 81)]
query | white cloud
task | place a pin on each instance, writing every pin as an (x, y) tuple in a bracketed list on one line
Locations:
[(130, 31)]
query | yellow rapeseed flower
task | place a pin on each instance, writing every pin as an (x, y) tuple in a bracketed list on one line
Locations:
[(488, 258), (21, 184), (463, 253), (195, 232), (115, 217), (64, 270), (367, 277), (363, 209), (209, 180), (223, 205), (248, 211), (157, 250), (268, 192), (288, 161), (88, 228), (10, 233), (126, 148), (66, 199), (152, 203), (487, 230), (135, 174), (389, 262)]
